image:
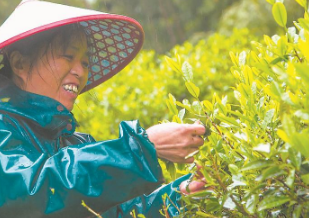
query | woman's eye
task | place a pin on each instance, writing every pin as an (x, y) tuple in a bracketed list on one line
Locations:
[(69, 57), (85, 64)]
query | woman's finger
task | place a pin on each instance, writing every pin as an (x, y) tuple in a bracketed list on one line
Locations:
[(190, 187), (197, 141), (196, 129)]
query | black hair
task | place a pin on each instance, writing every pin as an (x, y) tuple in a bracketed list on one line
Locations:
[(32, 46)]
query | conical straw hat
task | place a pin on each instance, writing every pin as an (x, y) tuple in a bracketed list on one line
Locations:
[(115, 39)]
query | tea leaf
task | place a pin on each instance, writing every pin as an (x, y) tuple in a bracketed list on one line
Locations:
[(193, 89), (279, 13), (187, 71), (272, 201), (255, 165)]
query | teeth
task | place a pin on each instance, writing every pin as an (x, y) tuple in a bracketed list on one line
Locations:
[(75, 89), (71, 88)]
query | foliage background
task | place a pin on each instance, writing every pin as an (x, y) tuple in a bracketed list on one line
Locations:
[(172, 22)]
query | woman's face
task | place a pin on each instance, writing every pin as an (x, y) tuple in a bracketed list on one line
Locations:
[(58, 73)]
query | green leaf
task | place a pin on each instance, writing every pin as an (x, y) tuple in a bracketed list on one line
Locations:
[(276, 90), (242, 58), (233, 169), (282, 46), (288, 125), (187, 71), (301, 3), (172, 98), (290, 178), (197, 107), (221, 107), (185, 104), (295, 158), (251, 203), (229, 204), (176, 119), (279, 13), (171, 104), (233, 58), (182, 113), (297, 211), (305, 178), (269, 115), (268, 118), (272, 201), (304, 23), (193, 89), (270, 172), (228, 120), (173, 64), (208, 105), (302, 71), (255, 165), (300, 142)]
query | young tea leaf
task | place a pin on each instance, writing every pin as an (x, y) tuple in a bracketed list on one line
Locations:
[(171, 106), (187, 71), (280, 14), (173, 64), (193, 89)]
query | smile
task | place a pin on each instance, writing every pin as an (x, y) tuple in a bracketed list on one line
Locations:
[(71, 88)]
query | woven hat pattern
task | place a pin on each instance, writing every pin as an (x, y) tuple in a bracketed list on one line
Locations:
[(114, 44)]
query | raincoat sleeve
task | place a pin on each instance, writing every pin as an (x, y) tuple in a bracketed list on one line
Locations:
[(165, 199), (103, 174)]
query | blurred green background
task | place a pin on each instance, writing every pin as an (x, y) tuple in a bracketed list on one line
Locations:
[(171, 22)]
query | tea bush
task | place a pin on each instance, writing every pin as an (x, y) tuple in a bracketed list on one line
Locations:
[(255, 159)]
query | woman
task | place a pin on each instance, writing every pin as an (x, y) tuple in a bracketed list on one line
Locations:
[(46, 168)]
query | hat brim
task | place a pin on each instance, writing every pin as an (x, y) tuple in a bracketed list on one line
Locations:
[(114, 39)]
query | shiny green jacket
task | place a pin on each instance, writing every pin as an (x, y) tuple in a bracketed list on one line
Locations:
[(47, 169)]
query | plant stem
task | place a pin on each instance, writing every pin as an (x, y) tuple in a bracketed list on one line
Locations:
[(300, 60), (90, 210)]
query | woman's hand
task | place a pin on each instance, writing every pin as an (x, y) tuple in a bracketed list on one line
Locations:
[(174, 142)]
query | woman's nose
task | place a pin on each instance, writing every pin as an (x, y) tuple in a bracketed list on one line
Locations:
[(78, 69)]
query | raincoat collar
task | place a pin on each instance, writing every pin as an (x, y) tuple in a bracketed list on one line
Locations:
[(43, 111)]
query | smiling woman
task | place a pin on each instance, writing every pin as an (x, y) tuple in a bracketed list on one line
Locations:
[(57, 58), (47, 169)]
